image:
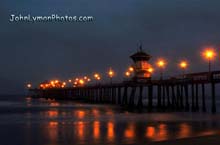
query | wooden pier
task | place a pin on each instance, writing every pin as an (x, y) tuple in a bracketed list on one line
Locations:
[(188, 92)]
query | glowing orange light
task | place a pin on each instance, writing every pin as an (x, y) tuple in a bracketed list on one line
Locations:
[(96, 129), (80, 128), (80, 114), (209, 53), (130, 131), (88, 79), (97, 76), (162, 132), (161, 63), (150, 132), (111, 73), (183, 64), (131, 69), (127, 73), (85, 77), (81, 81), (70, 80), (185, 130), (29, 85), (52, 113), (56, 81), (111, 132), (150, 70), (53, 123)]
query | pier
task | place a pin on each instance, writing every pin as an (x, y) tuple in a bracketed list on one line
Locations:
[(187, 93)]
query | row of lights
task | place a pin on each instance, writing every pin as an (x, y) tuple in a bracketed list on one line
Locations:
[(51, 84), (80, 81), (209, 54)]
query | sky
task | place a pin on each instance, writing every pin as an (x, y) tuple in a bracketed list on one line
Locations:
[(172, 29)]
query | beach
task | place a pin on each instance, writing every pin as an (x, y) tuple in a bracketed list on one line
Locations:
[(47, 122)]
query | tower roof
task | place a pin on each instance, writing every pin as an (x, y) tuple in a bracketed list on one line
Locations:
[(140, 55)]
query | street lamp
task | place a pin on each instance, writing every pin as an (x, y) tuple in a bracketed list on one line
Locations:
[(81, 82), (63, 84), (127, 74), (111, 73), (97, 77), (210, 55), (183, 65), (29, 86), (150, 70), (131, 69), (161, 64)]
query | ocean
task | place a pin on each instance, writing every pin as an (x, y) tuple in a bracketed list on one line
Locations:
[(27, 121)]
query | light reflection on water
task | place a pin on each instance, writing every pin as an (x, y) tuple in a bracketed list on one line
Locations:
[(185, 130), (129, 133), (64, 123), (96, 130), (79, 130), (52, 113), (52, 131), (96, 133), (79, 114), (111, 131)]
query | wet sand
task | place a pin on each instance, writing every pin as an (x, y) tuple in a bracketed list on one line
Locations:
[(203, 140), (47, 122)]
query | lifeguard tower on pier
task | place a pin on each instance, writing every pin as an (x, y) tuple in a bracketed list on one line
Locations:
[(142, 68)]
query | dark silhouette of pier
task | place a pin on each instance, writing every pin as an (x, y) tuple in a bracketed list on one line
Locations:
[(188, 92)]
